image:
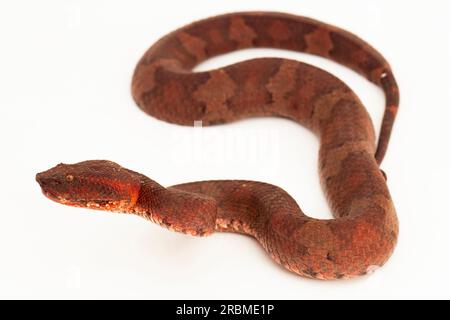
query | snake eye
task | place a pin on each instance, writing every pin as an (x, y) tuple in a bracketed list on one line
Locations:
[(69, 178)]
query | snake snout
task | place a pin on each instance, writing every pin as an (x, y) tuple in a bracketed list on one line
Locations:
[(46, 181), (51, 185), (40, 178)]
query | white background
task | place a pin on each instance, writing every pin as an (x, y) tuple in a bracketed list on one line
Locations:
[(65, 70)]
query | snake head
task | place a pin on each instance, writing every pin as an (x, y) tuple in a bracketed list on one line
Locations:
[(95, 184)]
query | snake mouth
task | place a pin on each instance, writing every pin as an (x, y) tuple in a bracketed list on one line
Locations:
[(53, 188), (40, 178), (48, 187), (44, 183)]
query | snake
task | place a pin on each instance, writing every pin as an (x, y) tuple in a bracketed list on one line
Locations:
[(363, 232)]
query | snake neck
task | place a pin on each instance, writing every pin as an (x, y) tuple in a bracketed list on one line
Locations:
[(177, 210)]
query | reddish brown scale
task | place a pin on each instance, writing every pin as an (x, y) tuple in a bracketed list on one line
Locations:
[(364, 232)]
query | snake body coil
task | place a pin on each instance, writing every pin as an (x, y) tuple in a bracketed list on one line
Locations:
[(364, 232)]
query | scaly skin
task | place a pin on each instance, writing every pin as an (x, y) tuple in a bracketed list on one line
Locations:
[(364, 232)]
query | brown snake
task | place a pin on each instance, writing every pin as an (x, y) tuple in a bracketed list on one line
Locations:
[(364, 232)]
